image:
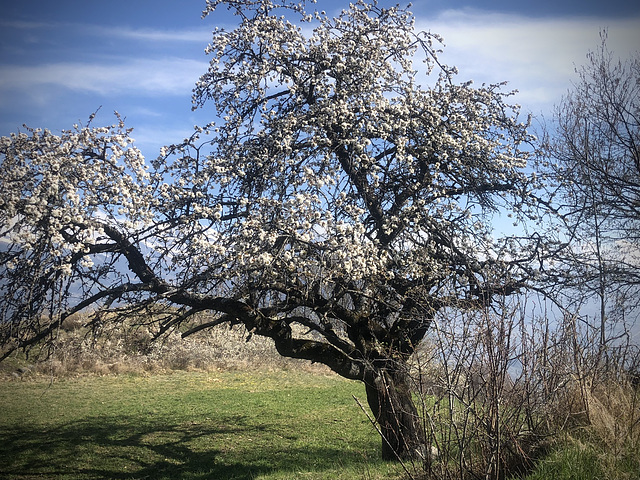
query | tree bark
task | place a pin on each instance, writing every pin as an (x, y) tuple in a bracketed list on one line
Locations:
[(391, 402)]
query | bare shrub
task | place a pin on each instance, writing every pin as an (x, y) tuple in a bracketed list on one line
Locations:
[(475, 398), (498, 386)]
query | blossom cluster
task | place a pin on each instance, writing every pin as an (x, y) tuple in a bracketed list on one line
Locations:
[(60, 191)]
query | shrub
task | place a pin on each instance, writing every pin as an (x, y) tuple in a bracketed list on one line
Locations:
[(504, 395), (132, 349)]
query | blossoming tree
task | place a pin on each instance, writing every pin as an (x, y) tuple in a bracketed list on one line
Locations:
[(337, 197)]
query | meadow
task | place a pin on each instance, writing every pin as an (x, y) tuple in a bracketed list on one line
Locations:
[(194, 425), (219, 407)]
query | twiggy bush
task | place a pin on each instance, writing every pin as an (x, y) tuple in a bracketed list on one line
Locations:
[(477, 406), (498, 387)]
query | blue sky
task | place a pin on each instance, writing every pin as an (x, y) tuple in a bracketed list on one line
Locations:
[(60, 61)]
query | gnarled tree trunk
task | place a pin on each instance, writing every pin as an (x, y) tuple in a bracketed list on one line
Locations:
[(390, 399)]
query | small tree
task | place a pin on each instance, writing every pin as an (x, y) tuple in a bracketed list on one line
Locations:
[(595, 144), (337, 196)]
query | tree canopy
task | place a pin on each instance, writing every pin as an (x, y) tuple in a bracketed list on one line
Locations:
[(342, 191)]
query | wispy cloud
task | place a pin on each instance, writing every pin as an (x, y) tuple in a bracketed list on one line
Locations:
[(199, 35), (155, 76)]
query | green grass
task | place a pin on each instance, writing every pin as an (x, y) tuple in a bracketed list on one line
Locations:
[(218, 425), (582, 459), (569, 463)]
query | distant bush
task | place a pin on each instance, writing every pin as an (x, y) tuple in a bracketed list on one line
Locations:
[(132, 349)]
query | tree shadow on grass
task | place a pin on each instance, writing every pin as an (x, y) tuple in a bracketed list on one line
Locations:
[(126, 448)]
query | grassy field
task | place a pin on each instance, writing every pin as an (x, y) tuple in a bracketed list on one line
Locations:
[(188, 425), (110, 412)]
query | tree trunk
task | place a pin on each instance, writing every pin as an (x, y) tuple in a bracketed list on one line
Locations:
[(389, 397)]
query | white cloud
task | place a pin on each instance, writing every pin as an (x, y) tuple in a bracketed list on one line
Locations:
[(537, 56), (156, 76), (197, 35)]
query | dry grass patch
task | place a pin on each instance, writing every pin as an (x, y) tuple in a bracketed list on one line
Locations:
[(133, 350)]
